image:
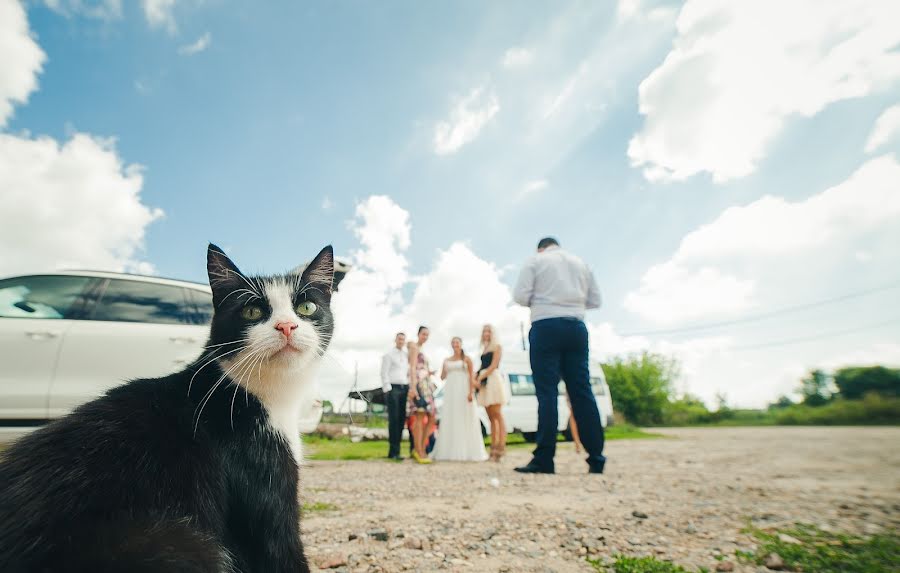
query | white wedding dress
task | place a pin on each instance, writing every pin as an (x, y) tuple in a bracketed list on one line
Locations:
[(459, 436)]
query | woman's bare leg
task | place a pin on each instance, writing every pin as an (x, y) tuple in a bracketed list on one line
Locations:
[(501, 430), (573, 427), (498, 430), (492, 422), (429, 431), (418, 431)]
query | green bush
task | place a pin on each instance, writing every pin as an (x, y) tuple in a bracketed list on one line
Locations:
[(687, 411), (856, 381), (640, 386), (872, 409)]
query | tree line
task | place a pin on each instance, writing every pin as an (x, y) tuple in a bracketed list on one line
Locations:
[(642, 387)]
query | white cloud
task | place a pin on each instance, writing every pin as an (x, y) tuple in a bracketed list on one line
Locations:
[(673, 291), (327, 203), (159, 14), (565, 93), (868, 198), (382, 228), (863, 256), (467, 119), (100, 9), (22, 59), (202, 43), (517, 58), (739, 70), (70, 205), (532, 187), (461, 293), (693, 283), (887, 129), (627, 9)]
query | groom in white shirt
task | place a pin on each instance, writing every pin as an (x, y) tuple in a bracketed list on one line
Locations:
[(395, 384)]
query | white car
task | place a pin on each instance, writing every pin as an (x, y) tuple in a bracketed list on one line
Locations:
[(520, 411), (68, 337)]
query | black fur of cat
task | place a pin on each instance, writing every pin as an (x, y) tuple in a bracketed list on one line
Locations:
[(193, 472)]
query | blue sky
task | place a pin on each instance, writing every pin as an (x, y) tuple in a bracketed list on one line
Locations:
[(621, 128)]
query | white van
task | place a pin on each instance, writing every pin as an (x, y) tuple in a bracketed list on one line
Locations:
[(521, 408)]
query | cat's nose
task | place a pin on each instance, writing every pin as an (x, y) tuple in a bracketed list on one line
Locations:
[(286, 327)]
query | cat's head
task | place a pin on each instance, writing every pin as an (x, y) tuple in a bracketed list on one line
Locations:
[(264, 326)]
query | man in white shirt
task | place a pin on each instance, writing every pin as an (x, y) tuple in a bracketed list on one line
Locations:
[(559, 288), (395, 383)]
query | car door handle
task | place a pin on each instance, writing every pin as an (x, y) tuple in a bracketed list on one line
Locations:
[(182, 340), (41, 334)]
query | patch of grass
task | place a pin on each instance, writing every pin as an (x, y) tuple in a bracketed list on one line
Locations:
[(322, 448), (617, 432), (342, 448), (310, 507), (825, 552), (625, 564), (356, 420), (629, 432)]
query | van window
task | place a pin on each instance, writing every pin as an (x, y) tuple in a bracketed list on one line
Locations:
[(521, 384), (138, 301), (54, 296)]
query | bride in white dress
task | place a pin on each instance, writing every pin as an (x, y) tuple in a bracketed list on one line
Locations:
[(459, 437)]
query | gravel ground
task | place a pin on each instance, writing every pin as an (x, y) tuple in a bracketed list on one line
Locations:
[(683, 498)]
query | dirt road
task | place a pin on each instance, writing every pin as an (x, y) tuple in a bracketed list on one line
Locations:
[(697, 488)]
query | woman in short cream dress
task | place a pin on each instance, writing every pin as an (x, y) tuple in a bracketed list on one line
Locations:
[(492, 389)]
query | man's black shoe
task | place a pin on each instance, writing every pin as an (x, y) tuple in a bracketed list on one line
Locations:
[(595, 470), (397, 458), (533, 469)]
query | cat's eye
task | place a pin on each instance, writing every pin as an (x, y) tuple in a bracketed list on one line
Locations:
[(251, 312), (306, 308)]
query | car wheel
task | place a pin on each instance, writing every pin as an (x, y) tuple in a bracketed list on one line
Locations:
[(530, 437)]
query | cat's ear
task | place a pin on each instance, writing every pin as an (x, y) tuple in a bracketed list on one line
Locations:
[(224, 276), (320, 272)]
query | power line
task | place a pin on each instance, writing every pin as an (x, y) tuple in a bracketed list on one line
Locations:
[(766, 315), (831, 334)]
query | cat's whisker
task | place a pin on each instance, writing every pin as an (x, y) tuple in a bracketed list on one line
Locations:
[(238, 385), (252, 296), (257, 289), (243, 292), (208, 396), (227, 343), (191, 382)]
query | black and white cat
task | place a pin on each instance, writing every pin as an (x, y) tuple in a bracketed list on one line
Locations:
[(193, 472)]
